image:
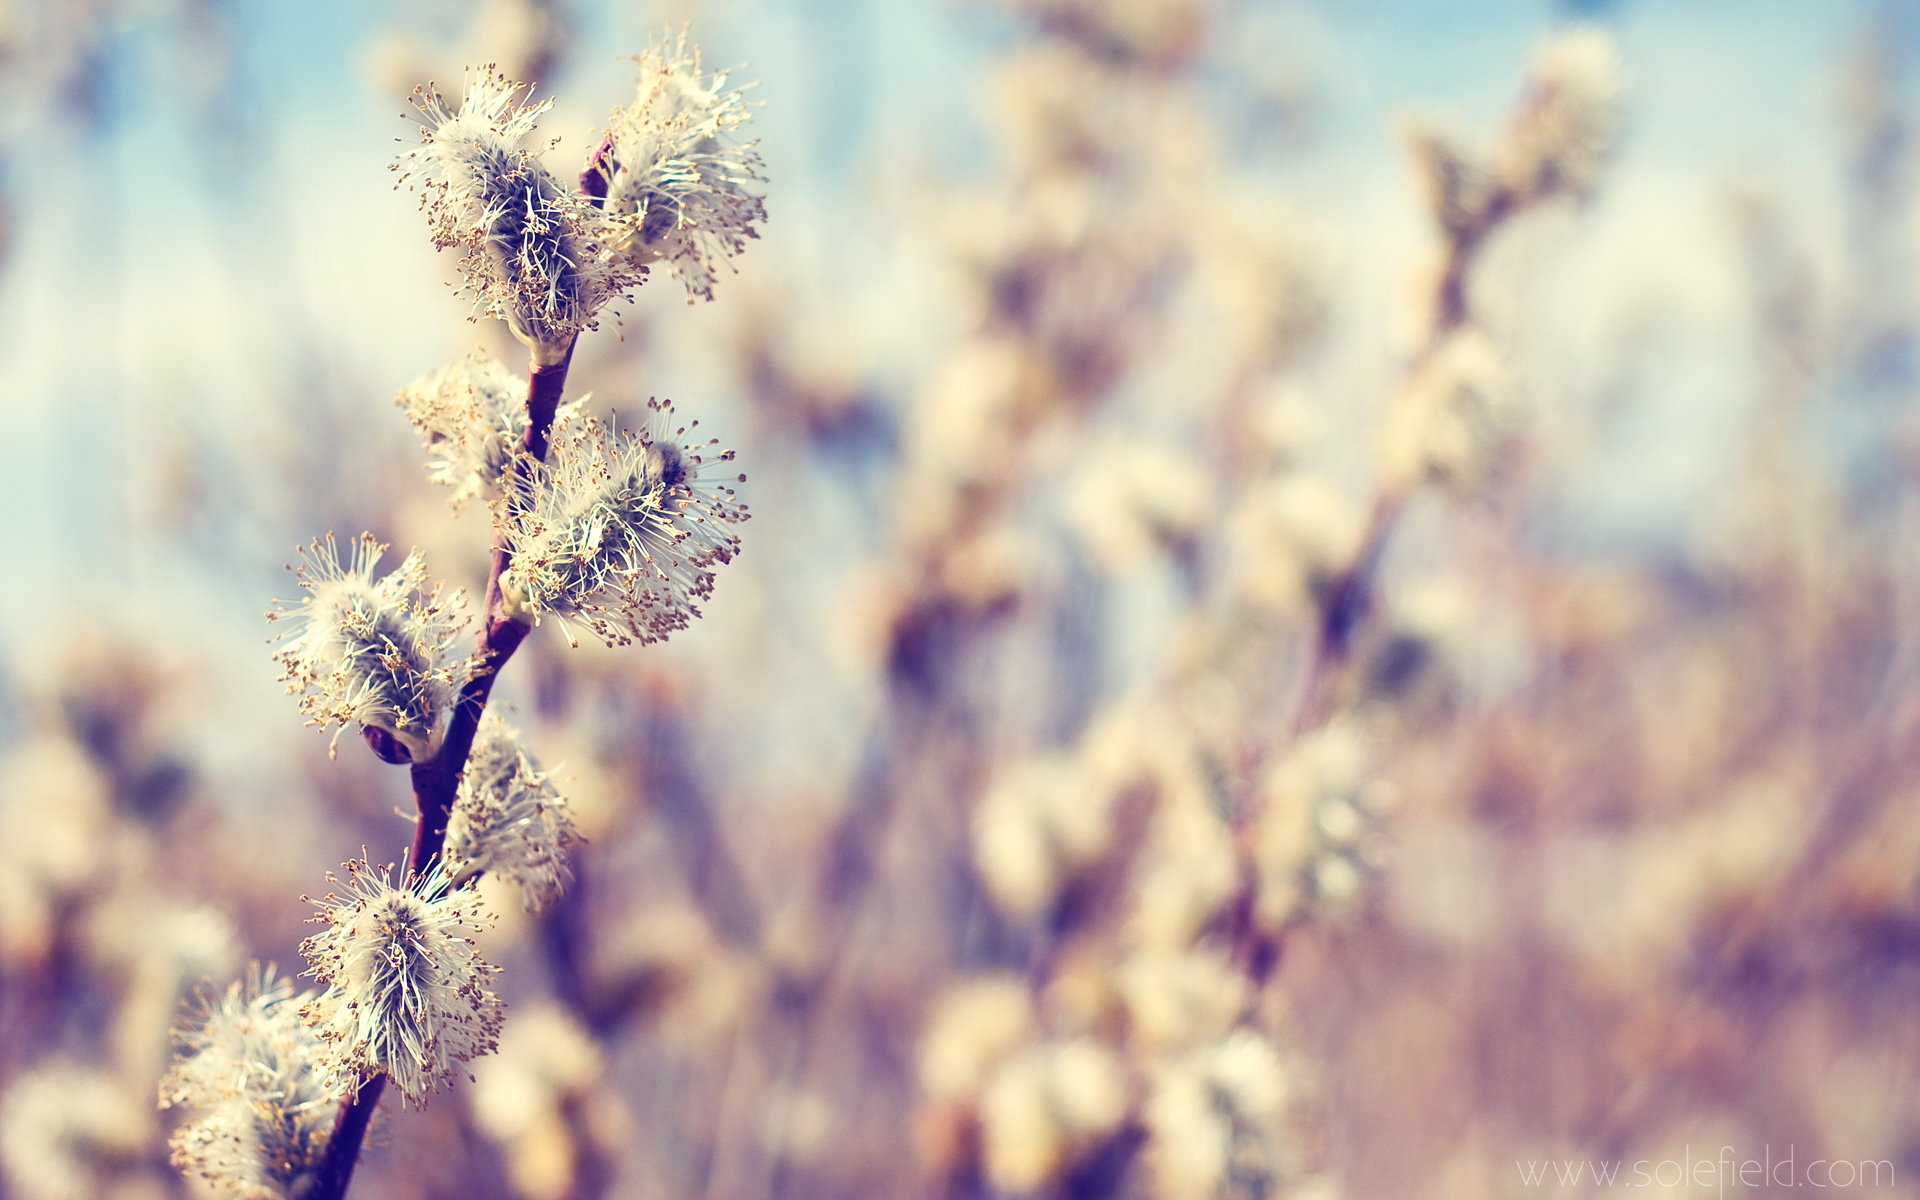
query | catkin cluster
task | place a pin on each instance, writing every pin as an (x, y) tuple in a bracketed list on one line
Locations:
[(613, 530)]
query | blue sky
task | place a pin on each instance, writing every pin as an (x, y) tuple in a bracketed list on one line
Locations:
[(226, 228)]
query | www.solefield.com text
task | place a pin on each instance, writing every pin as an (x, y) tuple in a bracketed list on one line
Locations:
[(1728, 1172)]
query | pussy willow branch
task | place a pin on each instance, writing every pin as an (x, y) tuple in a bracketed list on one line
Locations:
[(1342, 613), (1346, 604), (437, 781)]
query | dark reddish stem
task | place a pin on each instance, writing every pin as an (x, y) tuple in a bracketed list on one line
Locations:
[(437, 781), (343, 1147)]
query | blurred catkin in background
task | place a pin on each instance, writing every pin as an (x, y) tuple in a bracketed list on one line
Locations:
[(1330, 608)]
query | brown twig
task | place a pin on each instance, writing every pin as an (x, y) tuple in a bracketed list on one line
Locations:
[(1347, 602), (437, 781)]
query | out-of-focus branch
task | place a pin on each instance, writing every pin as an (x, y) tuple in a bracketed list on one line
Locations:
[(1345, 606)]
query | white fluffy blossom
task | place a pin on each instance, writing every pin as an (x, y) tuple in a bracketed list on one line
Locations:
[(1129, 498), (509, 821), (471, 416), (1559, 142), (618, 532), (376, 650), (1039, 824), (68, 1131), (1045, 1108), (1321, 833), (1219, 1122), (1456, 424), (683, 191), (549, 1070), (251, 1069), (407, 995), (532, 248), (1572, 117)]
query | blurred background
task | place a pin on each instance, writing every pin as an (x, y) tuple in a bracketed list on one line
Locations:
[(1331, 607)]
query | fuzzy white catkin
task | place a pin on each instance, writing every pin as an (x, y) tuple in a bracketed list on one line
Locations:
[(1452, 175), (1455, 424), (1129, 498), (1572, 120), (250, 1068), (52, 852), (974, 1027), (1217, 1123), (66, 1128), (407, 995), (618, 531), (471, 416), (533, 250), (509, 821), (1320, 829), (1038, 824), (1044, 1106), (683, 191), (1291, 535), (1558, 146), (548, 1068), (377, 650)]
